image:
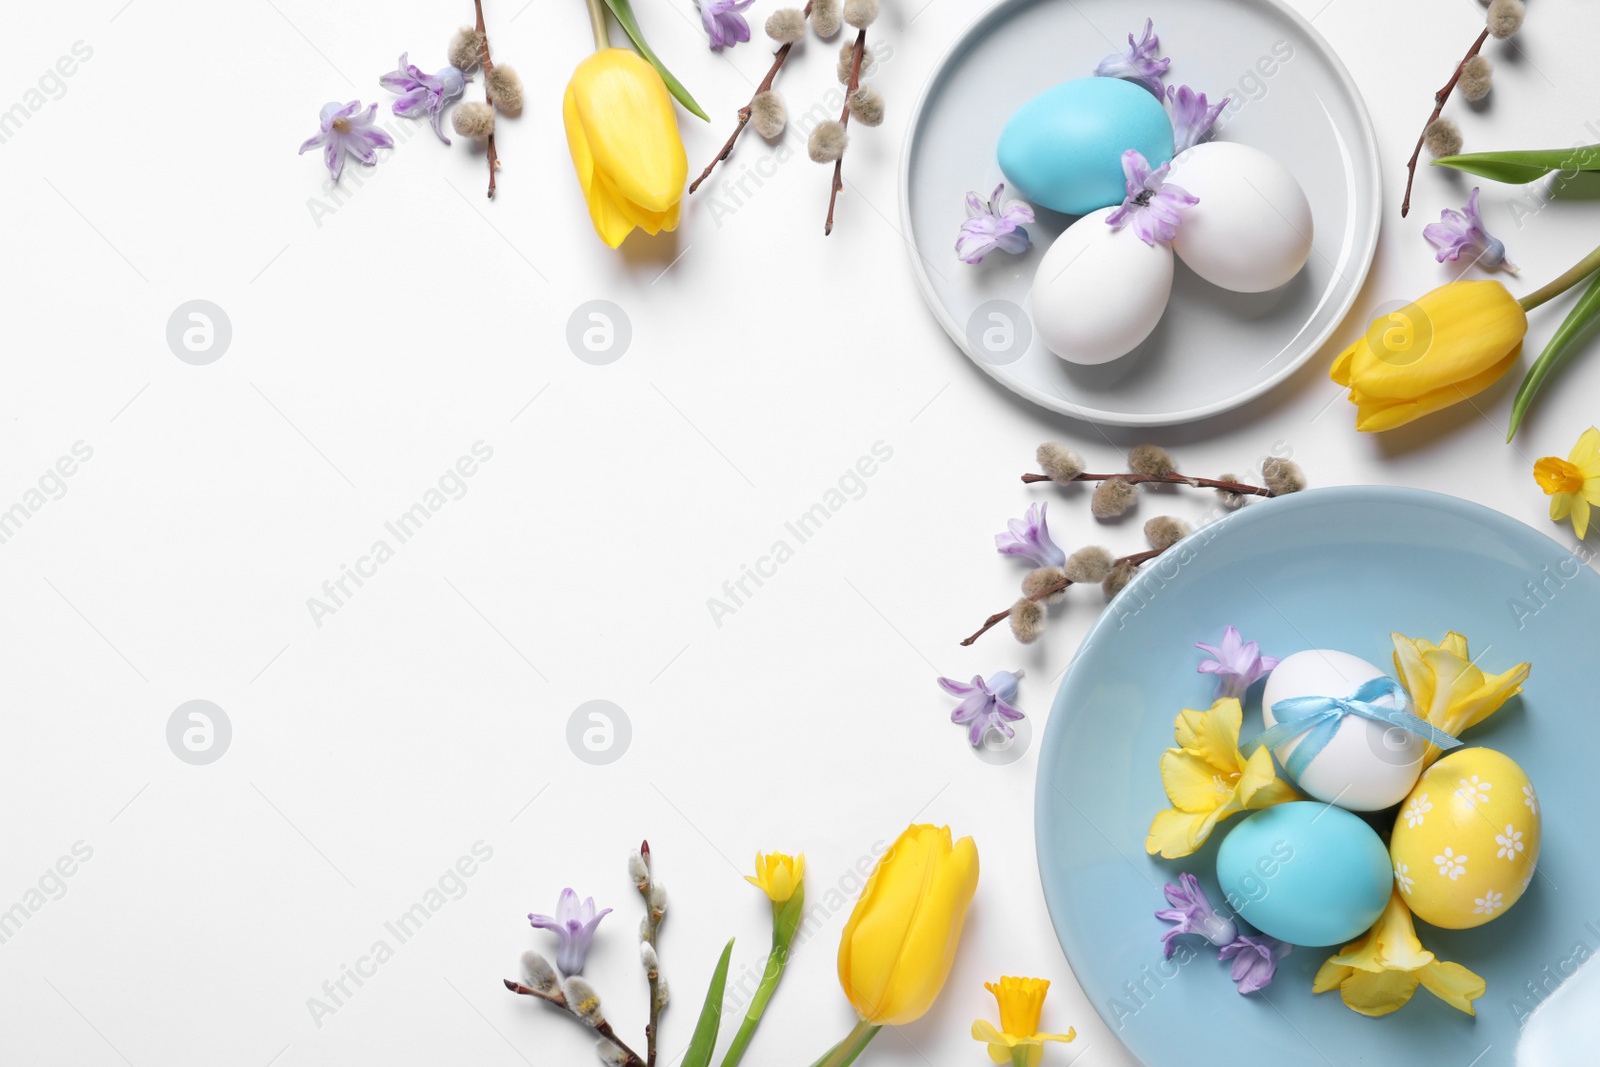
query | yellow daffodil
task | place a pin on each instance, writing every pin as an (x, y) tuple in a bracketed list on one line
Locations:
[(1448, 690), (1018, 1041), (1379, 973), (1436, 351), (778, 875), (897, 948), (1573, 484), (623, 136), (1208, 779)]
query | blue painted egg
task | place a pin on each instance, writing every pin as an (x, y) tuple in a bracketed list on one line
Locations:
[(1305, 873), (1063, 149)]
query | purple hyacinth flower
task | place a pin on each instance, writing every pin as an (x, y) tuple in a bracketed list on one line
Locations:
[(1139, 63), (1459, 233), (988, 227), (1237, 663), (1192, 913), (1029, 537), (345, 129), (723, 21), (424, 93), (1192, 117), (1152, 205), (985, 704), (574, 924), (1255, 960)]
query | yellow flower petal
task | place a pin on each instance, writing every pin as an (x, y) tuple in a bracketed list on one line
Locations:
[(900, 941), (1375, 413), (1213, 735), (1453, 984), (1192, 784), (1378, 994), (1580, 516)]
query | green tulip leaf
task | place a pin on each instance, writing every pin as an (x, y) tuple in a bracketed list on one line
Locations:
[(1582, 315), (1520, 168), (705, 1031), (623, 11)]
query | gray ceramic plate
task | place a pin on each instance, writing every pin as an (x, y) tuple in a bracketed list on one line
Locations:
[(1327, 568), (1213, 350)]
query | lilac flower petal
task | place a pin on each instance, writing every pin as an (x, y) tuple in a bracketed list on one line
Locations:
[(1139, 63), (987, 228), (1192, 913), (959, 689), (986, 704), (1029, 537), (1193, 118), (333, 156), (1255, 960), (412, 101), (1237, 663)]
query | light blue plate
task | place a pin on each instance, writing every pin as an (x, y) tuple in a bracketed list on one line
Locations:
[(1330, 568)]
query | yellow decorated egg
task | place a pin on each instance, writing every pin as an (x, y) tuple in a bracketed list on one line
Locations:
[(1466, 840)]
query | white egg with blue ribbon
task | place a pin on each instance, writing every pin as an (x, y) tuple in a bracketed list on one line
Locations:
[(1343, 730)]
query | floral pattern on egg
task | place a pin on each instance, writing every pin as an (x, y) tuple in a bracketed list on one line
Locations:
[(1466, 840)]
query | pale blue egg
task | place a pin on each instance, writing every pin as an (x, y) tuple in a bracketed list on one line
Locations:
[(1305, 873), (1063, 149)]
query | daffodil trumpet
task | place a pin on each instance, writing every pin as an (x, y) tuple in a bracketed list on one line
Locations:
[(782, 878), (1018, 1040)]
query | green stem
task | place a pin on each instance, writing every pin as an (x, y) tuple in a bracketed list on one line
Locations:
[(845, 1052), (1019, 1056), (758, 1005), (1580, 270), (597, 19)]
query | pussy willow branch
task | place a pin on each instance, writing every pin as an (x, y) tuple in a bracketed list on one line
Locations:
[(844, 121), (999, 616), (1164, 479), (778, 59), (559, 999), (488, 69), (652, 977), (1439, 99)]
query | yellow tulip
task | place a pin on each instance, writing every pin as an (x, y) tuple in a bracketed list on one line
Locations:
[(1018, 1040), (1208, 779), (1449, 690), (1438, 350), (1379, 973), (624, 141), (897, 948), (778, 875)]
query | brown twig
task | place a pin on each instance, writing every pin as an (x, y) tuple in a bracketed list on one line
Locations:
[(1135, 559), (844, 121), (654, 919), (1164, 479), (778, 59), (1439, 99), (488, 69), (603, 1028)]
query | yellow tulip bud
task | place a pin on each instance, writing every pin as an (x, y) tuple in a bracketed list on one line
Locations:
[(778, 875), (1440, 349), (897, 948), (623, 136)]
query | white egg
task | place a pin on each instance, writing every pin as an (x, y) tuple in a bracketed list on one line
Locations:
[(1251, 230), (1099, 292), (1366, 765)]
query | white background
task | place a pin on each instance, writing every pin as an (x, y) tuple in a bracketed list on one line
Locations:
[(372, 347)]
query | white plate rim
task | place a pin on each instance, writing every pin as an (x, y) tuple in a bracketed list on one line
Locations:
[(1064, 406)]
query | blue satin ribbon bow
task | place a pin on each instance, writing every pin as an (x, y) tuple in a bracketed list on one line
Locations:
[(1319, 718)]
